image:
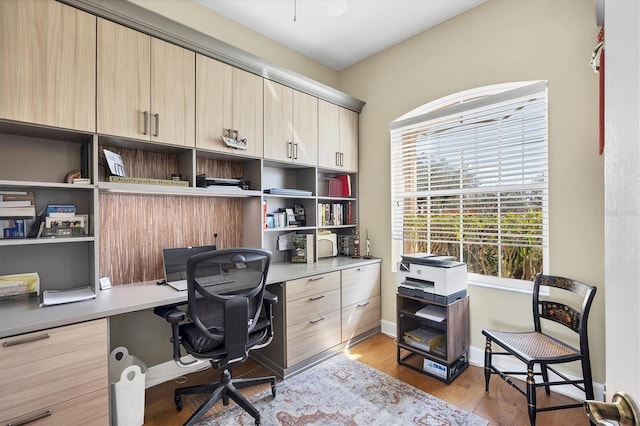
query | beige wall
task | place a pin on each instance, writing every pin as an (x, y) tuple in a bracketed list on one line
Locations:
[(198, 17), (499, 41)]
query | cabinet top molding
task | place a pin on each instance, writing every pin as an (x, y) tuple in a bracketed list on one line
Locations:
[(143, 20)]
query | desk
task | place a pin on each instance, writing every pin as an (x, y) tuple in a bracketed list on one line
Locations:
[(92, 319)]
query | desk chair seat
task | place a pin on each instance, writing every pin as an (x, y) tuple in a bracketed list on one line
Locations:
[(539, 349), (226, 322)]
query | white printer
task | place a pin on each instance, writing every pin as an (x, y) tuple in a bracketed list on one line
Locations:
[(432, 277)]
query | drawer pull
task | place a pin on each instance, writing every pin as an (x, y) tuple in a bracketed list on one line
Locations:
[(362, 305), (315, 278), (315, 321), (25, 340), (317, 297), (37, 416)]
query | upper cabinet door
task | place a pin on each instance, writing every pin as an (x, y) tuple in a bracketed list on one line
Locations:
[(47, 64), (248, 110), (228, 99), (305, 128), (124, 99), (328, 135), (278, 122), (349, 140), (173, 88)]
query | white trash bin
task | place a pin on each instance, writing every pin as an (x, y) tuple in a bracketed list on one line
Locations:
[(127, 379)]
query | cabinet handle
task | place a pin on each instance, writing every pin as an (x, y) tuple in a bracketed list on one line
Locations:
[(145, 120), (157, 116), (315, 321), (289, 149), (295, 151), (341, 159), (316, 278), (30, 339), (316, 298), (33, 418), (337, 158), (362, 305)]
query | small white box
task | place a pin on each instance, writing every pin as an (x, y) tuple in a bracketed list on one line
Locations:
[(435, 368)]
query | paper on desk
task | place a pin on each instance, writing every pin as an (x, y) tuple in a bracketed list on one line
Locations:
[(58, 297), (285, 241)]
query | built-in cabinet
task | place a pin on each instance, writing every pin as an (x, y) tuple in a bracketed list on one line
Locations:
[(145, 86), (229, 102), (321, 314), (56, 377), (337, 137), (290, 125), (47, 64)]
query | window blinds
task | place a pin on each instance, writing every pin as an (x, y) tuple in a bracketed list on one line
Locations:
[(474, 172)]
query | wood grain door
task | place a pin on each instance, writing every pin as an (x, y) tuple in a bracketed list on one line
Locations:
[(349, 139), (328, 134), (173, 87), (47, 64), (248, 110), (214, 103), (278, 121), (305, 128), (123, 86)]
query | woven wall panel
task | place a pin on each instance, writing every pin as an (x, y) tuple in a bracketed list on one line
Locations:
[(134, 229)]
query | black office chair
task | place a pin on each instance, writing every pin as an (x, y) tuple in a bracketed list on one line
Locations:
[(541, 349), (230, 314)]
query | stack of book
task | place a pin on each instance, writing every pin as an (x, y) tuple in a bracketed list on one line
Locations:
[(61, 220), (423, 339), (17, 205)]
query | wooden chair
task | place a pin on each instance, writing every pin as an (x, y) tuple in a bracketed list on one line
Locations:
[(537, 348)]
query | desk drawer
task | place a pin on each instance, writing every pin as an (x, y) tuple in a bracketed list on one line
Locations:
[(360, 283), (310, 308), (308, 286), (45, 368), (91, 409), (360, 317), (309, 338)]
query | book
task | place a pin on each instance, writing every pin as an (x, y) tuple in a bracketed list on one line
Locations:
[(15, 203), (58, 297), (66, 222), (16, 196), (303, 248), (25, 212), (12, 228), (423, 339), (66, 209), (346, 184)]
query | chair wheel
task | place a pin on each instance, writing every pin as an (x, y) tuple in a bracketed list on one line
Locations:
[(178, 402)]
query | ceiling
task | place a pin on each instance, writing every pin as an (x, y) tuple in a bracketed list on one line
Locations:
[(339, 33)]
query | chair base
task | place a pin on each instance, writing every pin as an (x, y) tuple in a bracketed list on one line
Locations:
[(227, 388)]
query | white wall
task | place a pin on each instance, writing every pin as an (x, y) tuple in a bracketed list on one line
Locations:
[(622, 195)]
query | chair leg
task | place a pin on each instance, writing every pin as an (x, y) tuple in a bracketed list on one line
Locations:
[(531, 395), (487, 364), (588, 380), (215, 397), (235, 394), (545, 377)]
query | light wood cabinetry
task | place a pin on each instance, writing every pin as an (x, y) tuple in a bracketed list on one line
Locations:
[(47, 64), (360, 300), (337, 137), (228, 98), (61, 372), (291, 125), (145, 87)]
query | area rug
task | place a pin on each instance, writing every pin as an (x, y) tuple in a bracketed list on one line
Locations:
[(341, 391)]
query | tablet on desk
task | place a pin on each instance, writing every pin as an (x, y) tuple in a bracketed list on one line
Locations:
[(175, 264)]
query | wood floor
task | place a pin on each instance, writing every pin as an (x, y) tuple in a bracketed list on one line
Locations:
[(502, 406)]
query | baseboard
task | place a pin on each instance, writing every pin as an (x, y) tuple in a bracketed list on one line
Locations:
[(476, 357), (169, 371)]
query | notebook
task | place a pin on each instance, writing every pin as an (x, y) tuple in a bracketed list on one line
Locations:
[(175, 264)]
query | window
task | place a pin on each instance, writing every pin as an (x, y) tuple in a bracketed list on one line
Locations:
[(469, 180)]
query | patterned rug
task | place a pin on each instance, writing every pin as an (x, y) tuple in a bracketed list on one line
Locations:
[(341, 392)]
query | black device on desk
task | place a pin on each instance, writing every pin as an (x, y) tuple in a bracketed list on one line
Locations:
[(175, 264)]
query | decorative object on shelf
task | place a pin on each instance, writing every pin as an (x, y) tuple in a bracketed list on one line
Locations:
[(367, 246), (232, 140), (12, 228), (303, 251), (356, 243), (114, 163)]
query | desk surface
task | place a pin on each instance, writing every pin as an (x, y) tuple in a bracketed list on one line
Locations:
[(28, 316)]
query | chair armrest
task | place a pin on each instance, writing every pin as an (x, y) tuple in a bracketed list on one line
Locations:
[(170, 313), (270, 298)]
